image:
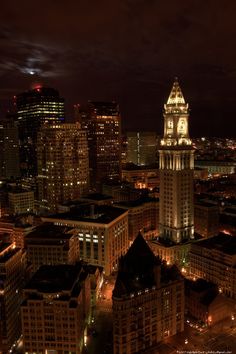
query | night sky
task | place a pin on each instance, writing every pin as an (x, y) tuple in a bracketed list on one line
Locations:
[(126, 50)]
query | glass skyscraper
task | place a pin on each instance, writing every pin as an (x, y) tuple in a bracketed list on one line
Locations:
[(34, 108)]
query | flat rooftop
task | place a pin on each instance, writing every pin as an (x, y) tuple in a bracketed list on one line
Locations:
[(97, 196), (18, 190), (49, 231), (138, 202), (230, 211), (54, 278), (103, 214), (132, 167), (205, 204), (165, 242), (200, 285), (222, 242)]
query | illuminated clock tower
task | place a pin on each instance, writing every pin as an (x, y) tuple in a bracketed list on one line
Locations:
[(176, 163)]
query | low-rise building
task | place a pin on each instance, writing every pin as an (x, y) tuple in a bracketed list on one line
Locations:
[(122, 191), (228, 220), (148, 301), (214, 259), (96, 280), (102, 233), (171, 252), (56, 310), (200, 173), (204, 303), (141, 177), (21, 201), (143, 217), (20, 231), (206, 218), (90, 199), (217, 167), (50, 244), (7, 225)]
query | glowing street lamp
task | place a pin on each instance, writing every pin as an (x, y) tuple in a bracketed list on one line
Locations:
[(232, 319)]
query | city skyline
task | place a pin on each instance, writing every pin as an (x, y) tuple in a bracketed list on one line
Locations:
[(117, 177), (125, 51)]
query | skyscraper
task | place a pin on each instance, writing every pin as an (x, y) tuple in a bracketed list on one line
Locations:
[(176, 164), (142, 148), (9, 148), (63, 171), (103, 124), (34, 108)]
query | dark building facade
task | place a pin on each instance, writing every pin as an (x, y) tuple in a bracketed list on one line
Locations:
[(206, 218), (12, 272), (142, 148), (34, 108), (9, 150), (103, 124), (56, 309)]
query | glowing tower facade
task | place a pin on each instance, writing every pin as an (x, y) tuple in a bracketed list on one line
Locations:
[(176, 163)]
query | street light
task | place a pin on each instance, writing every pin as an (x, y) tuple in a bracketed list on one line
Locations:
[(186, 341), (232, 319)]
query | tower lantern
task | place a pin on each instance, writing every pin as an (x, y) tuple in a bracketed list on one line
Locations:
[(176, 114)]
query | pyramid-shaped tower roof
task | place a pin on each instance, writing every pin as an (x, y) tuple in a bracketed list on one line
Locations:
[(136, 268), (176, 103), (176, 96)]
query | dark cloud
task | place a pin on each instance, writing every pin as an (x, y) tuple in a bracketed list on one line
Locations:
[(128, 50)]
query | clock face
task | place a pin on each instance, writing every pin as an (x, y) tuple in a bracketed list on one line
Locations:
[(182, 126), (170, 124)]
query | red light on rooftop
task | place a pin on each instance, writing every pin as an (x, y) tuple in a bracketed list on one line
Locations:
[(37, 86)]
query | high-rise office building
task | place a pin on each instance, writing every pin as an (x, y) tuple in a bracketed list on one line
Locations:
[(63, 171), (9, 147), (34, 108), (142, 148), (12, 271), (103, 124), (148, 301), (176, 166)]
